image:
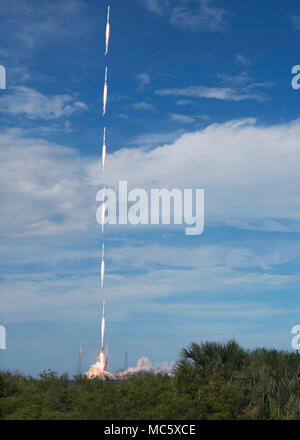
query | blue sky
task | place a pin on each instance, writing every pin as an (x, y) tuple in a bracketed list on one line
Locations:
[(200, 96)]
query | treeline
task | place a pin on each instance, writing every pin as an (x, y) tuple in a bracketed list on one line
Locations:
[(210, 381)]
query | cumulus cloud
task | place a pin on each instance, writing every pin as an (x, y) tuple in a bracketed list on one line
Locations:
[(35, 105), (249, 172)]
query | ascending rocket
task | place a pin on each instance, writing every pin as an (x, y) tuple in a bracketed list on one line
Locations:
[(107, 32), (102, 267), (102, 327), (104, 149), (105, 93)]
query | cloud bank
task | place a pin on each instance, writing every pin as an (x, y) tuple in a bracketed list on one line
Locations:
[(249, 173)]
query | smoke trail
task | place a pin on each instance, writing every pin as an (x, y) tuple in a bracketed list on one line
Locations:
[(102, 267), (102, 328), (103, 211)]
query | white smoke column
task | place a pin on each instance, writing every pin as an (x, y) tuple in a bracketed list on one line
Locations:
[(107, 33), (105, 93), (104, 150), (102, 328), (103, 217), (99, 368), (102, 267), (103, 213)]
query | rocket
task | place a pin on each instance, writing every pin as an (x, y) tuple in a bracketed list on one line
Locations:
[(102, 267), (103, 357), (102, 327), (104, 149), (107, 32), (105, 93)]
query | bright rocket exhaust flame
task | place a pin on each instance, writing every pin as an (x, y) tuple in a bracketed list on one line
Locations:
[(101, 361), (104, 149), (102, 267), (105, 93), (107, 33)]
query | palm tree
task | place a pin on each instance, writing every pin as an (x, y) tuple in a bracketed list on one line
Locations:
[(211, 357), (273, 378)]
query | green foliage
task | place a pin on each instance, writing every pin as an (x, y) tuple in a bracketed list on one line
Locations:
[(211, 381)]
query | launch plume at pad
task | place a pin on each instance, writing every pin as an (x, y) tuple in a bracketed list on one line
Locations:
[(144, 366)]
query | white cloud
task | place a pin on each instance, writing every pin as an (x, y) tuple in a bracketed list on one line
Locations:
[(71, 295), (196, 15), (241, 59), (296, 22), (221, 93), (141, 106), (157, 6), (143, 79), (155, 139), (249, 171), (183, 102), (35, 105), (34, 24), (43, 187), (184, 119), (237, 80)]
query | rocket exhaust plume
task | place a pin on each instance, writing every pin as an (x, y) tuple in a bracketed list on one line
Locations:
[(105, 93), (107, 33), (102, 267), (103, 214), (104, 149), (102, 357), (99, 368), (102, 328)]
